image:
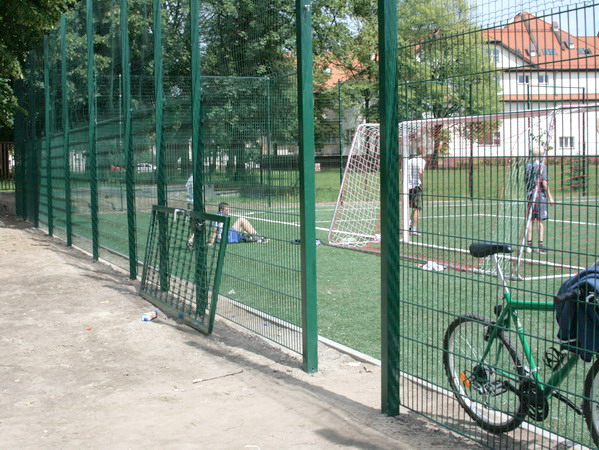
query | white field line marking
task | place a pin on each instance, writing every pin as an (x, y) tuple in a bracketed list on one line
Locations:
[(432, 217), (280, 222), (458, 216), (512, 258)]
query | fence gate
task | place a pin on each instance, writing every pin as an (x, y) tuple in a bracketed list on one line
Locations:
[(183, 264)]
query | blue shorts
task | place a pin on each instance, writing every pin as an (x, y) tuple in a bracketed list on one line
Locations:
[(234, 237), (538, 209)]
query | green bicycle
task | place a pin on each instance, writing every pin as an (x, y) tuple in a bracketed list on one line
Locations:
[(486, 371)]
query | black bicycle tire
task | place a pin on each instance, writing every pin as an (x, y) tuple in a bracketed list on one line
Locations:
[(587, 404), (521, 412)]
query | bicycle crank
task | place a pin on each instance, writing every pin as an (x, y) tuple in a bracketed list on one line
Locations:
[(534, 399)]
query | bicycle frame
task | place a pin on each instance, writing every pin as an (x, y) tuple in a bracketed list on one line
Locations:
[(508, 316)]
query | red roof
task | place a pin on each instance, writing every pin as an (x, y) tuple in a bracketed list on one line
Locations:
[(545, 45)]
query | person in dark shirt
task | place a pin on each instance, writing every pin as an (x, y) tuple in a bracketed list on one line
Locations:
[(538, 196)]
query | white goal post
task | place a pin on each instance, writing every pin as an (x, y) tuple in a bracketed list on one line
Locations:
[(503, 143)]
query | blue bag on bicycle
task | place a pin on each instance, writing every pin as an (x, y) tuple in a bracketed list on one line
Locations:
[(578, 319)]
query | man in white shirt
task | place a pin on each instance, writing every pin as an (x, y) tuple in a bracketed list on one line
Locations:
[(189, 192), (416, 166)]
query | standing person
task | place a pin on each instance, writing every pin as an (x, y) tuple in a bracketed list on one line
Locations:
[(416, 166), (189, 191), (241, 230), (538, 196)]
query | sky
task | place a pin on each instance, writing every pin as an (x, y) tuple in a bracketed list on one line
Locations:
[(577, 18)]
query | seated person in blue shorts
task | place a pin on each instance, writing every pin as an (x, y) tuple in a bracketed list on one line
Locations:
[(241, 230)]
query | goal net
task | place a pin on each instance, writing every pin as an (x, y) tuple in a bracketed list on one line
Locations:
[(474, 188)]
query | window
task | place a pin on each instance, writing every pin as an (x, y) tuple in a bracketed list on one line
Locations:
[(566, 142), (532, 50), (549, 51), (494, 53), (584, 51), (491, 138), (543, 79), (523, 106), (523, 79)]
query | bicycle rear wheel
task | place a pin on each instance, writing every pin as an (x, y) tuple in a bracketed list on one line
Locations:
[(590, 405), (486, 388)]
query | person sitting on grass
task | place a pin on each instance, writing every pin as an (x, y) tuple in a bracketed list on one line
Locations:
[(241, 230)]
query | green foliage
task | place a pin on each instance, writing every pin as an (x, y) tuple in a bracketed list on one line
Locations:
[(577, 175), (8, 104), (346, 37), (22, 25), (444, 69), (247, 38)]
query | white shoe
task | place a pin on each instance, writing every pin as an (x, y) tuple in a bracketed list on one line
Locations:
[(527, 249)]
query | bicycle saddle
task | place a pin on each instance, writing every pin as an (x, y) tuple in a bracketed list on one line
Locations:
[(480, 249)]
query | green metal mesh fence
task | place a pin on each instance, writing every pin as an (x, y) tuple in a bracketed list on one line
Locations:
[(111, 133), (483, 91), (489, 106), (478, 91)]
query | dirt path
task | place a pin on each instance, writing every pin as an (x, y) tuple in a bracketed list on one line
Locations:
[(80, 369)]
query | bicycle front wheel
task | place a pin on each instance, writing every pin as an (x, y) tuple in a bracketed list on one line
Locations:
[(590, 405), (487, 388)]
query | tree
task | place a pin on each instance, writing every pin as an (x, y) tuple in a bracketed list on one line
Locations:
[(346, 38), (22, 25), (444, 69), (246, 58)]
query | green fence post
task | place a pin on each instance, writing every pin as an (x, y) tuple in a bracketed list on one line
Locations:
[(65, 129), (387, 16), (160, 160), (269, 145), (128, 140), (91, 107), (201, 278), (33, 164), (307, 186), (197, 149), (47, 132), (20, 153)]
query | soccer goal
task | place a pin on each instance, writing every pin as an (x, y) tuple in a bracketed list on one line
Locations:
[(474, 189)]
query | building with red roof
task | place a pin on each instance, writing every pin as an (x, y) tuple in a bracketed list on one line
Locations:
[(543, 65)]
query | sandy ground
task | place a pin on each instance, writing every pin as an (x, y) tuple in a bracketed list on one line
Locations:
[(80, 369)]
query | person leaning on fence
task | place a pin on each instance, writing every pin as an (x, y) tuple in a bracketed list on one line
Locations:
[(538, 196), (241, 230), (416, 166)]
